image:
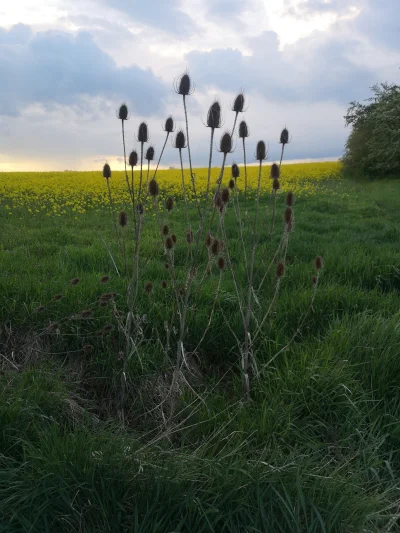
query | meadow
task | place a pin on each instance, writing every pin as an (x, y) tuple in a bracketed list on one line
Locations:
[(317, 447)]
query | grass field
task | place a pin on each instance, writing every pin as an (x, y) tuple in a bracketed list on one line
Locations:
[(318, 447)]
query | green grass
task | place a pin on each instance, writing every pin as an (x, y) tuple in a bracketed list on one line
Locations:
[(318, 447)]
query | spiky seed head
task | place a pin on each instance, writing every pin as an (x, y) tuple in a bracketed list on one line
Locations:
[(189, 236), (139, 208), (215, 247), (169, 204), (169, 126), (276, 185), (314, 280), (123, 112), (288, 215), (148, 287), (133, 159), (75, 281), (106, 171), (150, 153), (275, 171), (225, 195), (221, 263), (57, 297), (284, 138), (183, 85), (180, 140), (87, 348), (107, 328), (231, 184), (208, 239), (164, 284), (235, 171), (165, 229), (319, 263), (225, 145), (238, 104), (261, 151), (169, 244), (243, 130), (104, 279), (290, 199), (123, 219), (280, 269), (173, 237), (143, 133), (214, 115), (153, 187), (40, 309), (86, 313)]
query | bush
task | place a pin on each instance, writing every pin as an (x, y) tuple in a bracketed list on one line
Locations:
[(373, 146)]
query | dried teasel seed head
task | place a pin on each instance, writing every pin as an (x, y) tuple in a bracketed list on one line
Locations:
[(173, 237), (87, 348), (243, 130), (225, 195), (284, 138), (280, 269), (231, 184), (209, 239), (319, 263), (107, 328), (103, 303), (143, 133), (189, 236), (290, 199), (153, 187), (123, 219), (40, 309), (238, 104), (180, 140), (235, 171), (275, 171), (275, 185), (164, 284), (183, 85), (75, 281), (261, 151), (169, 204), (169, 244), (314, 280), (107, 296), (133, 158), (288, 215), (104, 279), (214, 115), (221, 263), (169, 126), (139, 208), (123, 112), (167, 265), (148, 287), (165, 229), (215, 247), (225, 144), (86, 313), (149, 153), (106, 171), (57, 297), (218, 201)]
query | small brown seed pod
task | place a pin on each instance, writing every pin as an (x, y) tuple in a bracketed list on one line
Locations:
[(148, 287), (169, 243), (275, 185), (180, 140), (169, 204), (225, 144), (75, 281), (87, 348), (280, 269), (153, 187), (107, 171), (275, 171), (261, 151), (225, 196), (104, 279), (209, 240), (86, 313), (214, 115), (123, 219), (231, 184), (165, 229), (143, 133), (183, 85), (149, 153), (235, 171), (319, 263), (284, 138), (57, 297), (40, 309), (123, 112), (221, 263), (133, 159), (164, 284), (314, 280), (107, 328), (169, 126), (238, 104), (215, 247), (290, 199), (243, 130)]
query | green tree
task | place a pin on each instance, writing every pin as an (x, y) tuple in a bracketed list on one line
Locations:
[(373, 146)]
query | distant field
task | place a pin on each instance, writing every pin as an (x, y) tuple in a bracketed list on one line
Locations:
[(59, 192), (317, 448)]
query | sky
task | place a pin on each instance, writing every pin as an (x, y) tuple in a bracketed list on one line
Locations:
[(67, 65)]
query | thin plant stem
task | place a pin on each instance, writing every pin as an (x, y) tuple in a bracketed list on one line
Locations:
[(184, 189), (161, 154), (113, 211), (190, 155), (126, 173)]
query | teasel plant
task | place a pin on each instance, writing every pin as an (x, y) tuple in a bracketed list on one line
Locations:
[(208, 258)]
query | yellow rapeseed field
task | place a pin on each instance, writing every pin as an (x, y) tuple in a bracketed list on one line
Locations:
[(56, 193)]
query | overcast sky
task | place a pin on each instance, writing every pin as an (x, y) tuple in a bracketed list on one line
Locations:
[(66, 65)]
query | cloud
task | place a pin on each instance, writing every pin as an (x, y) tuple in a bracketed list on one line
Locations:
[(55, 67)]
